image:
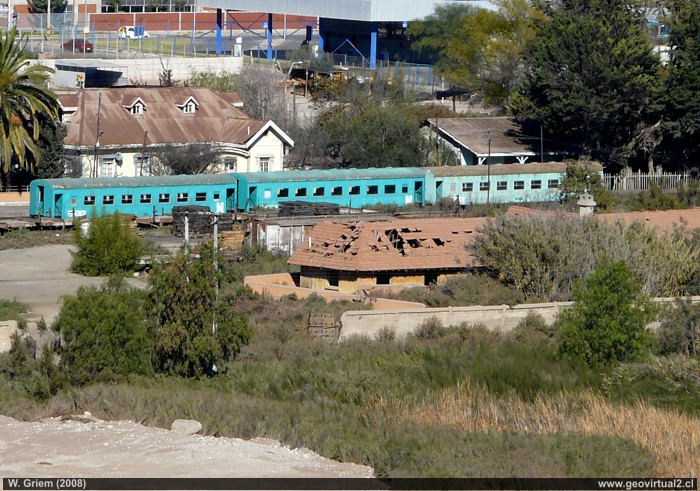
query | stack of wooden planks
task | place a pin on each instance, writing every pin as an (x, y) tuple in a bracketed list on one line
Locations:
[(200, 221), (307, 209)]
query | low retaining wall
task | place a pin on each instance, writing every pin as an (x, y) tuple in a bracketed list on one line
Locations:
[(13, 197), (496, 318)]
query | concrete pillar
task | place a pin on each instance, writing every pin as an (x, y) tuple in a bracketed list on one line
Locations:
[(373, 46), (219, 25), (320, 37), (269, 36)]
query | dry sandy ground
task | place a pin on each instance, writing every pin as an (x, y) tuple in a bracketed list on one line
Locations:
[(55, 448)]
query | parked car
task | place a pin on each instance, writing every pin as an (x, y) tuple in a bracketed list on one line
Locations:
[(133, 32), (81, 45)]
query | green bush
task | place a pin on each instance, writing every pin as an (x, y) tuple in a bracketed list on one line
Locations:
[(609, 318), (11, 309), (104, 332), (109, 247), (533, 329), (579, 178), (679, 329)]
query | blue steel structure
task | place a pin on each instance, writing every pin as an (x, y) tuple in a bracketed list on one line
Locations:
[(353, 188)]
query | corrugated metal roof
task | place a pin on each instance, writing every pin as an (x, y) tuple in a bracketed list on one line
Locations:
[(474, 133), (334, 174), (137, 182), (503, 169), (393, 245)]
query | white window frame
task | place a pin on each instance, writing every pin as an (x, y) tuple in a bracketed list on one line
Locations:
[(265, 163), (108, 167)]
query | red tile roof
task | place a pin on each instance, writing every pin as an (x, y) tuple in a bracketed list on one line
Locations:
[(662, 220), (392, 245)]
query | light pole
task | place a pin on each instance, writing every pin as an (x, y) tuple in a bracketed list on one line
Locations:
[(294, 92)]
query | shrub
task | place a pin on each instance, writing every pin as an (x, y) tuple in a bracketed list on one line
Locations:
[(608, 320), (679, 329), (533, 329), (109, 247), (11, 309), (104, 332), (431, 328), (579, 178)]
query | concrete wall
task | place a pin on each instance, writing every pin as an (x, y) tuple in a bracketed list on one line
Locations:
[(12, 197), (500, 317)]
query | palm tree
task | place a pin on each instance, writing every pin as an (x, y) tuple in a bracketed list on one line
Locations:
[(25, 104)]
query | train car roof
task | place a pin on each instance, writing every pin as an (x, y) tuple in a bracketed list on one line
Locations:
[(333, 174), (137, 182), (503, 169)]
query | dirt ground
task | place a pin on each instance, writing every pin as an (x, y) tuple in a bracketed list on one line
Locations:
[(55, 448)]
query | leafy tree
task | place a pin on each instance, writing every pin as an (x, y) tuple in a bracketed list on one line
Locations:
[(679, 329), (592, 79), (219, 81), (579, 178), (103, 332), (259, 89), (51, 164), (188, 159), (109, 247), (196, 330), (681, 125), (41, 6), (25, 102), (608, 320)]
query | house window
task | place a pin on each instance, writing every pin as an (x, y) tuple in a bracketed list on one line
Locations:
[(372, 189), (484, 186), (108, 167), (265, 163), (283, 193), (320, 191), (89, 200), (182, 197), (536, 185), (200, 197), (163, 198), (467, 187), (143, 165), (337, 191), (553, 184), (107, 200), (127, 199), (354, 190), (231, 164), (189, 108), (502, 186), (519, 185), (300, 192), (145, 199), (136, 109), (390, 189)]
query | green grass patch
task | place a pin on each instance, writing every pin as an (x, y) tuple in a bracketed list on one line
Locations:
[(23, 239), (11, 309)]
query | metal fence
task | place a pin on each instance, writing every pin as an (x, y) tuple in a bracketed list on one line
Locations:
[(640, 182)]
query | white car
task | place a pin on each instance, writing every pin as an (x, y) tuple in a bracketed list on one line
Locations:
[(133, 32)]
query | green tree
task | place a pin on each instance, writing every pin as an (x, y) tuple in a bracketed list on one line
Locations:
[(189, 159), (593, 78), (195, 330), (103, 332), (25, 102), (51, 140), (41, 6), (579, 178), (609, 318), (109, 247)]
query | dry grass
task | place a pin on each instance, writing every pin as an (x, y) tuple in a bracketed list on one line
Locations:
[(674, 438)]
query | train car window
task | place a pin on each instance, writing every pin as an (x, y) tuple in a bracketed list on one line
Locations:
[(182, 197), (320, 191), (372, 189), (127, 199), (107, 200), (390, 189), (89, 200), (300, 192), (354, 190), (519, 185), (74, 201), (145, 199), (553, 184), (200, 197), (484, 186), (467, 187), (337, 191), (536, 185), (216, 196), (404, 189), (502, 186), (283, 193), (163, 198)]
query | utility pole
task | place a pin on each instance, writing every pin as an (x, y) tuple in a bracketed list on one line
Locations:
[(541, 144), (215, 221), (488, 170), (143, 153)]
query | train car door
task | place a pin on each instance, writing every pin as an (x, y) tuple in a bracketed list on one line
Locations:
[(418, 192), (40, 206), (58, 205), (230, 199)]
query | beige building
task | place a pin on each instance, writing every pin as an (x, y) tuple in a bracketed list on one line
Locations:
[(351, 257), (118, 132)]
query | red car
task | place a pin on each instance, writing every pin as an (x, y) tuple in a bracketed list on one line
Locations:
[(81, 46)]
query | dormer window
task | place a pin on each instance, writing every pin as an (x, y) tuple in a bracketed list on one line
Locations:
[(190, 106), (136, 107)]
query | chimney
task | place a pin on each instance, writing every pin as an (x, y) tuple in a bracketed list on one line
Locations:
[(586, 204)]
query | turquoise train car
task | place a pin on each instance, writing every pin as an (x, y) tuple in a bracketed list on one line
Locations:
[(352, 188), (139, 196)]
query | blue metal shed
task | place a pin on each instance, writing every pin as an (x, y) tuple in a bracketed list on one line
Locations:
[(353, 188), (140, 196)]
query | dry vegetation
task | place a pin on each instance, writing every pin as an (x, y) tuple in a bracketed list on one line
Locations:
[(674, 438)]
